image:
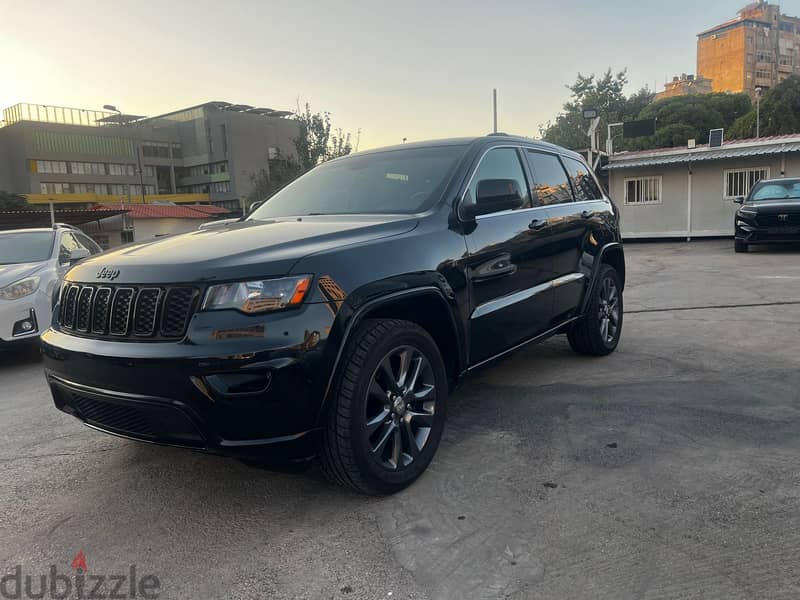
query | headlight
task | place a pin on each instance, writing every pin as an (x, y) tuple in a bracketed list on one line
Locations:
[(260, 296), (743, 212), (20, 289)]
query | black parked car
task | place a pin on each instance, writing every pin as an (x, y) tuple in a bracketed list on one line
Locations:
[(769, 215), (336, 319)]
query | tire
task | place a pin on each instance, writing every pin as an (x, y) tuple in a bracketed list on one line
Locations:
[(588, 335), (739, 246), (371, 403)]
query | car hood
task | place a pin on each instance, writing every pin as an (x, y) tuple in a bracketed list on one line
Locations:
[(235, 250), (771, 207), (15, 272)]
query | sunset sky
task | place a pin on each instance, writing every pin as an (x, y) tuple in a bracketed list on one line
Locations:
[(411, 69)]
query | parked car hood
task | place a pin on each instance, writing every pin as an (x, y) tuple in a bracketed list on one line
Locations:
[(14, 272), (769, 207), (236, 250)]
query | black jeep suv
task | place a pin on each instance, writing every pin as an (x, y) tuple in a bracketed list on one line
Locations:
[(337, 317)]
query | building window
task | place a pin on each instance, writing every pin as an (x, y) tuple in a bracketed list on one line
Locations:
[(51, 166), (222, 187), (738, 182), (156, 150), (149, 171), (126, 237), (643, 190), (87, 168)]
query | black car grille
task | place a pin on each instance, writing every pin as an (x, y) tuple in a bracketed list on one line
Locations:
[(121, 311), (779, 220), (113, 416)]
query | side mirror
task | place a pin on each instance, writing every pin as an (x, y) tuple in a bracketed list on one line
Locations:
[(78, 254), (738, 200), (254, 207), (494, 195)]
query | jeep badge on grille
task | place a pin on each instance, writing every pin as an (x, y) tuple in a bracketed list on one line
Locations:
[(107, 273)]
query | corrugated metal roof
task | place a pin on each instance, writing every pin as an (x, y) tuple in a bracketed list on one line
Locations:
[(732, 149)]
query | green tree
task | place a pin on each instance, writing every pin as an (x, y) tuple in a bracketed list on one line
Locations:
[(9, 201), (780, 112), (604, 93), (681, 118), (318, 142)]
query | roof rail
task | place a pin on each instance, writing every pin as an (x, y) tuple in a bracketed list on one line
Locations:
[(499, 133)]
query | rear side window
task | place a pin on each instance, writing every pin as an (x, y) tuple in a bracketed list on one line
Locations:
[(500, 163), (583, 183), (550, 183)]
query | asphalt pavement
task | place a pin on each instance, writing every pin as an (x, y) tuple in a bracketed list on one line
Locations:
[(667, 470)]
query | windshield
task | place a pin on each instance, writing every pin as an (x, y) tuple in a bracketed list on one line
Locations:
[(25, 247), (776, 191), (392, 182)]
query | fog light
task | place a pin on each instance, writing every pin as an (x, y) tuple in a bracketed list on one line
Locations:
[(25, 326)]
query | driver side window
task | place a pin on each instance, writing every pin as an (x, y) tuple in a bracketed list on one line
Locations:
[(500, 163)]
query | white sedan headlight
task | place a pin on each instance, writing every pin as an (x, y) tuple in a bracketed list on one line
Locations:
[(20, 289), (259, 296)]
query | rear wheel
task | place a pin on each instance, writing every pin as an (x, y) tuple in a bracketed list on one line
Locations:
[(388, 409), (597, 333), (740, 246)]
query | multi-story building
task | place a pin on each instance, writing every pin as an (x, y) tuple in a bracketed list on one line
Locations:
[(685, 85), (205, 153), (758, 49)]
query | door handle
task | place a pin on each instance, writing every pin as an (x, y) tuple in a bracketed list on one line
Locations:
[(537, 224), (587, 214)]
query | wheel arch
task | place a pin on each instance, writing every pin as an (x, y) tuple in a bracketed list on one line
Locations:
[(427, 307), (610, 254), (614, 255)]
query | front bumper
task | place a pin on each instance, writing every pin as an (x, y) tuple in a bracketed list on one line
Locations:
[(753, 234), (24, 318), (222, 389)]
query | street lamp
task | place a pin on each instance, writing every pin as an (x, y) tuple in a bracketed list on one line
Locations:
[(113, 108), (758, 112)]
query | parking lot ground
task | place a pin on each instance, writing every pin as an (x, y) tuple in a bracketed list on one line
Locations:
[(667, 470)]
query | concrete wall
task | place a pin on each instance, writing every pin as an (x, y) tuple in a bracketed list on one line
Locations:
[(254, 136), (721, 58), (712, 215)]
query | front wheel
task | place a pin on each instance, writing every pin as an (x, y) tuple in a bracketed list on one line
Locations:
[(388, 408), (597, 333)]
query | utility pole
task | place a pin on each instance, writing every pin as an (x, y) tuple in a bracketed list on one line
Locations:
[(758, 112), (494, 108)]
